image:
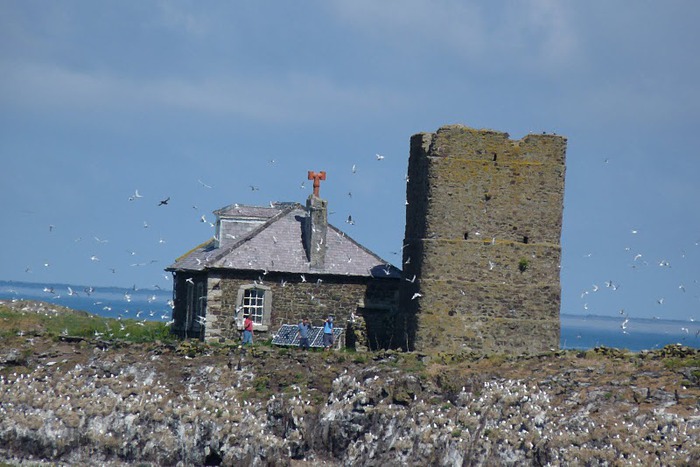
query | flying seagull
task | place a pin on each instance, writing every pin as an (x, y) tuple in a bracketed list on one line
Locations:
[(164, 202), (136, 195)]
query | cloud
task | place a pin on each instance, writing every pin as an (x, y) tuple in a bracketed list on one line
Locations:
[(293, 96), (528, 34)]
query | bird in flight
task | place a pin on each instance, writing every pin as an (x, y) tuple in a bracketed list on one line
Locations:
[(136, 195), (164, 202), (379, 157)]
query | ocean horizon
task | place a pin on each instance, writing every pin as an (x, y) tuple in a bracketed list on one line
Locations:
[(577, 331)]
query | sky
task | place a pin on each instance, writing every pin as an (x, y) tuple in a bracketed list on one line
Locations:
[(212, 103)]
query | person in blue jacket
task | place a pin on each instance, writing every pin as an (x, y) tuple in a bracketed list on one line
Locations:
[(328, 333), (303, 333)]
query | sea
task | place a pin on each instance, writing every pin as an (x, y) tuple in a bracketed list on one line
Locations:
[(577, 331)]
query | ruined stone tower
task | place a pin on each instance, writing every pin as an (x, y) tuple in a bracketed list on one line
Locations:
[(482, 246)]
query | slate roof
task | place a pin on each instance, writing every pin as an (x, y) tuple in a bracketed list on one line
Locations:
[(274, 242)]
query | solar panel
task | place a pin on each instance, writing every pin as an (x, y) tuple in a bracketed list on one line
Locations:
[(287, 336)]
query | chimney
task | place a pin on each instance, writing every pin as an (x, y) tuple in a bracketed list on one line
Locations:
[(316, 228), (316, 224)]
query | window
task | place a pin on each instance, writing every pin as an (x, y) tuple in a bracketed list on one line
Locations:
[(253, 304), (255, 300)]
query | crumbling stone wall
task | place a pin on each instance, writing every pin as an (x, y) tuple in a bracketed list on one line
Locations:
[(482, 243)]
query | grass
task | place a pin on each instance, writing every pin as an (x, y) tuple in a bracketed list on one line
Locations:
[(54, 321)]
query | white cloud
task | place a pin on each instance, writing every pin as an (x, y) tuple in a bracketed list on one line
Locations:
[(292, 96), (528, 34)]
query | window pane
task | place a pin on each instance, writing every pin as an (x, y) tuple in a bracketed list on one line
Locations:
[(253, 301)]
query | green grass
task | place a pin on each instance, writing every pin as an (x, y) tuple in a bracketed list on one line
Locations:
[(80, 324)]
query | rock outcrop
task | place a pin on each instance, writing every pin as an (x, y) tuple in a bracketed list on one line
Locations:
[(114, 403)]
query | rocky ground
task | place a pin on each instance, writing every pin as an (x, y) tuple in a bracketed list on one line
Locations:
[(70, 401)]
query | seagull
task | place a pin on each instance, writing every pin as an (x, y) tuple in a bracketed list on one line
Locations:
[(72, 292), (253, 188), (164, 202), (98, 240), (202, 219), (379, 157), (203, 184), (416, 295), (491, 265), (136, 195), (411, 280), (354, 169), (350, 221), (94, 258)]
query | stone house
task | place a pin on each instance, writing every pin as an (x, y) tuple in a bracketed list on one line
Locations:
[(279, 264)]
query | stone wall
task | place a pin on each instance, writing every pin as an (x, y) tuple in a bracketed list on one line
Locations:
[(348, 299), (482, 244)]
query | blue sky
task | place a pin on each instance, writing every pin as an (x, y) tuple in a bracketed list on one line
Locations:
[(197, 101)]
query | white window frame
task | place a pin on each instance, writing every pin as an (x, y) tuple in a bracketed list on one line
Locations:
[(261, 311)]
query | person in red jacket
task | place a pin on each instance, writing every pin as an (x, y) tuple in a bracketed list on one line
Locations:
[(247, 330)]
